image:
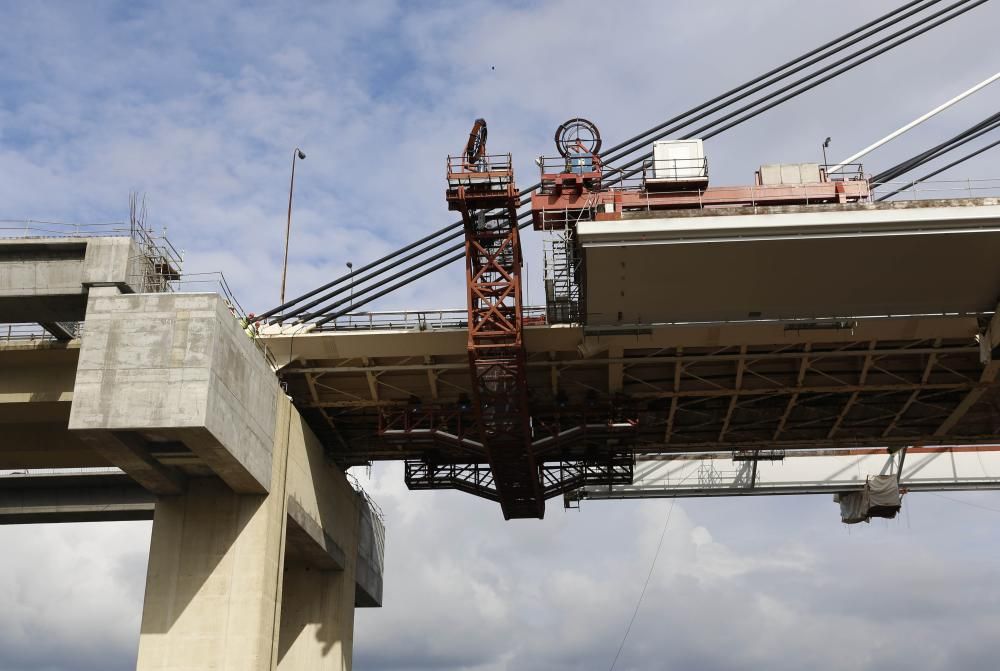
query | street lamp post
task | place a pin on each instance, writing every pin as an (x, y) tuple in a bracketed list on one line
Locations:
[(298, 153), (350, 269)]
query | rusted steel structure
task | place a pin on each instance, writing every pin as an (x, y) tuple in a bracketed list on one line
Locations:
[(631, 360), (481, 188), (493, 444), (576, 187)]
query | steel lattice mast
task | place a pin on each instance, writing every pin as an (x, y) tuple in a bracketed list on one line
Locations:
[(482, 189)]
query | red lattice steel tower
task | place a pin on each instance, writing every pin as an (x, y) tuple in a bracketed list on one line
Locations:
[(481, 187)]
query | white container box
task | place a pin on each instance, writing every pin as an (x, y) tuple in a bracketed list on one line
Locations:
[(679, 161), (790, 173)]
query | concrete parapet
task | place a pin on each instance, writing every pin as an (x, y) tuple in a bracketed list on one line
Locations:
[(178, 367)]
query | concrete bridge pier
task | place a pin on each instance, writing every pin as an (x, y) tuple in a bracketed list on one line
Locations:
[(257, 538), (236, 582), (261, 548)]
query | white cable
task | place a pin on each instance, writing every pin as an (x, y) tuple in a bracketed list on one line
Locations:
[(916, 122)]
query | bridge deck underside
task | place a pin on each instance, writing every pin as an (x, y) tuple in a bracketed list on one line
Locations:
[(740, 397)]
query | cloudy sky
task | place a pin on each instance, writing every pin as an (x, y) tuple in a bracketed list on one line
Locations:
[(199, 105)]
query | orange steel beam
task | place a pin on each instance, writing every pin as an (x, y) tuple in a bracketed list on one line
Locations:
[(611, 203)]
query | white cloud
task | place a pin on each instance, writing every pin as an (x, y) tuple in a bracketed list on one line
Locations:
[(72, 595), (200, 105)]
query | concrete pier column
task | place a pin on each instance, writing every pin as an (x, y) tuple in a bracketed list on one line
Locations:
[(256, 582), (317, 619), (213, 583)]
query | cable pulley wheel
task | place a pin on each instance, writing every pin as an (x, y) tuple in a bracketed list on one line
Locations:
[(578, 136), (475, 148)]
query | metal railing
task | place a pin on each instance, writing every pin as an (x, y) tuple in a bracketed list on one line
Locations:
[(678, 170), (939, 189), (209, 281), (418, 320), (31, 228), (460, 168), (12, 333), (578, 164), (82, 470), (846, 172)]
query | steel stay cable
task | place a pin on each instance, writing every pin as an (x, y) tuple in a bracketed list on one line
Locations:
[(302, 309), (698, 132), (961, 10), (775, 80), (388, 290), (641, 137), (816, 83), (970, 4), (910, 167), (810, 85), (645, 585), (939, 170), (393, 255), (368, 266), (953, 142)]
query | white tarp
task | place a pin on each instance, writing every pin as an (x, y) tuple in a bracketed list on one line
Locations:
[(879, 498)]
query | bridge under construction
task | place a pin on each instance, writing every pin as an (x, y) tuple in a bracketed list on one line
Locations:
[(816, 329), (728, 327)]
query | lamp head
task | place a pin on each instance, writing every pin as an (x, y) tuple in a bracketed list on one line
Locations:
[(302, 154), (350, 266), (826, 143)]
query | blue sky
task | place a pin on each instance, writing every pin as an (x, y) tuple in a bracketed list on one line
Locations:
[(199, 106)]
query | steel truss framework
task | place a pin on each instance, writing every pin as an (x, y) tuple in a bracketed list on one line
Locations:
[(481, 188), (677, 399)]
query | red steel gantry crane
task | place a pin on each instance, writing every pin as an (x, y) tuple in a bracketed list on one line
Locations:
[(502, 444), (481, 188)]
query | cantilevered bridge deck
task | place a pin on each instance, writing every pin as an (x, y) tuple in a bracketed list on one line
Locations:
[(694, 387), (748, 329)]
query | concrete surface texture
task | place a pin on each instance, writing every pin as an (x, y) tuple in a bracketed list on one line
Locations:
[(30, 498), (260, 547), (218, 573), (177, 367), (36, 392), (47, 280)]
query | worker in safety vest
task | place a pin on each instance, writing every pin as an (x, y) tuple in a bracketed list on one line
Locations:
[(249, 326)]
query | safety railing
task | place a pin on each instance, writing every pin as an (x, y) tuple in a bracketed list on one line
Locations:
[(419, 320), (212, 281), (32, 228), (36, 472), (15, 333), (459, 167), (579, 164), (845, 172), (679, 170), (359, 488), (937, 189)]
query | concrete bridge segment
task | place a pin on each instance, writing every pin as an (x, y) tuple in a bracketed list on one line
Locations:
[(260, 548)]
